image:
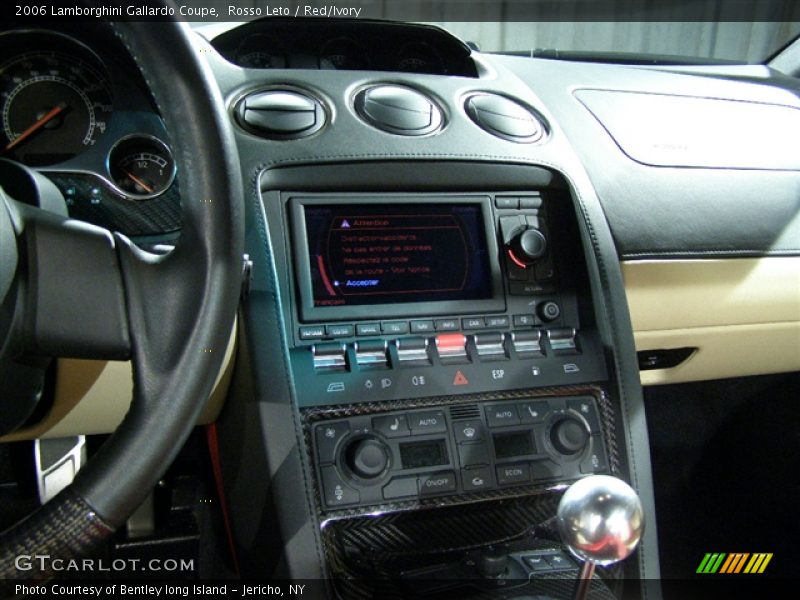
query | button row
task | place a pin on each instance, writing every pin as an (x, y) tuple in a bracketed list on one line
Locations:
[(518, 202), (318, 332), (500, 415), (524, 473), (422, 485), (450, 347), (421, 422), (474, 479), (537, 411), (415, 423), (548, 561)]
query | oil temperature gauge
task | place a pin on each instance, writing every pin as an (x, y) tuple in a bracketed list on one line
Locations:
[(141, 167)]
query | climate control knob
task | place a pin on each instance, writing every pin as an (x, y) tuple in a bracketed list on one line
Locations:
[(528, 246), (367, 457), (568, 436)]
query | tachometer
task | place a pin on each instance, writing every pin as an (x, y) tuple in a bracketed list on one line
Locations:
[(55, 104), (419, 57), (343, 54), (260, 52)]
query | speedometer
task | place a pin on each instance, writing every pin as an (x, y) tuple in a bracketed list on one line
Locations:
[(55, 104)]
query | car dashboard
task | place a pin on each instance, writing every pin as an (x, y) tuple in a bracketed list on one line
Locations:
[(464, 266)]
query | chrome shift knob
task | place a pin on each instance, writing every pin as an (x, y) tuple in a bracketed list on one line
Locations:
[(600, 519)]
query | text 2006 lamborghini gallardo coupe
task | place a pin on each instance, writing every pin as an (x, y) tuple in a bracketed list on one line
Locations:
[(359, 307)]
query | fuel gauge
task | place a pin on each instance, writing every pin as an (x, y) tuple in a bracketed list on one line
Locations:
[(141, 167)]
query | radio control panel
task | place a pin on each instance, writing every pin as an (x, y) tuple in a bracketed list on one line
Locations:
[(461, 449), (404, 297)]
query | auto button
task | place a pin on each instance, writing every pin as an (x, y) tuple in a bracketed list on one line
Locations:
[(431, 421), (502, 414)]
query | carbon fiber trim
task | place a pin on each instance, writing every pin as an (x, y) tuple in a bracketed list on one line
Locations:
[(314, 415), (66, 527), (368, 555), (106, 208), (367, 548)]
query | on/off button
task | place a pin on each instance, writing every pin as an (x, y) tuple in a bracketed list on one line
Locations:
[(437, 483)]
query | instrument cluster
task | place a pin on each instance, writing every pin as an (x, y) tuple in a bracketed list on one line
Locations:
[(337, 44), (88, 124)]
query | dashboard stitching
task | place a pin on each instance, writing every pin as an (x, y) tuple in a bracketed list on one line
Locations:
[(138, 62), (323, 158), (783, 252), (299, 438), (620, 378)]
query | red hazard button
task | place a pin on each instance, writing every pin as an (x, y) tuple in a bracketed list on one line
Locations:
[(460, 379)]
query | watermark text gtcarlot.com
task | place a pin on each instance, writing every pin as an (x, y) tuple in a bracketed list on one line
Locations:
[(46, 563)]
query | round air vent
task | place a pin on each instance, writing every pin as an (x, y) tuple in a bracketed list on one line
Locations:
[(399, 110), (281, 114), (504, 118)]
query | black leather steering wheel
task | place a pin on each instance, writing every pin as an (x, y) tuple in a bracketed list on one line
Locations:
[(72, 289)]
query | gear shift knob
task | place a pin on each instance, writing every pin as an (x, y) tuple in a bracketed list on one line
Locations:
[(601, 521)]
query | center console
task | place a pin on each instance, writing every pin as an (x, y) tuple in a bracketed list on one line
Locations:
[(448, 370), (435, 342)]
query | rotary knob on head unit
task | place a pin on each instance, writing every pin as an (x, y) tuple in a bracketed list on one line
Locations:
[(568, 436), (367, 457), (527, 247)]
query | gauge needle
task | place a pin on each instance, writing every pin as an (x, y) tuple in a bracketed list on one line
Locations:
[(138, 182), (41, 122)]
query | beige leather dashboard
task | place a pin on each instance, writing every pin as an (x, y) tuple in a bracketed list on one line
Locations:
[(743, 315), (93, 396)]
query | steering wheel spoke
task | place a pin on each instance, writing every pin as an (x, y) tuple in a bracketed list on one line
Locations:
[(69, 287)]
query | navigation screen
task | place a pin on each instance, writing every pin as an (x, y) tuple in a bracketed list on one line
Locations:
[(390, 253)]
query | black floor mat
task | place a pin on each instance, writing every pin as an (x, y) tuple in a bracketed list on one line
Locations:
[(726, 465)]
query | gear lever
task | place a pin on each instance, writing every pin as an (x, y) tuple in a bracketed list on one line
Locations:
[(600, 520)]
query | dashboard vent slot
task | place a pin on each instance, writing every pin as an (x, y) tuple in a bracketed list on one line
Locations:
[(282, 114), (399, 110), (504, 118), (464, 411)]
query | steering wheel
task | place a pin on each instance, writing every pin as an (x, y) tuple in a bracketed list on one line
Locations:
[(73, 289)]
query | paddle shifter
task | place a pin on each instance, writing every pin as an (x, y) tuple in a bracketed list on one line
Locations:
[(600, 520)]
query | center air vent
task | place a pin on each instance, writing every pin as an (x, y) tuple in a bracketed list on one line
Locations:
[(398, 110), (504, 118), (281, 114)]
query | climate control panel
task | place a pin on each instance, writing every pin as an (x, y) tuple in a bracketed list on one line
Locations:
[(458, 449)]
